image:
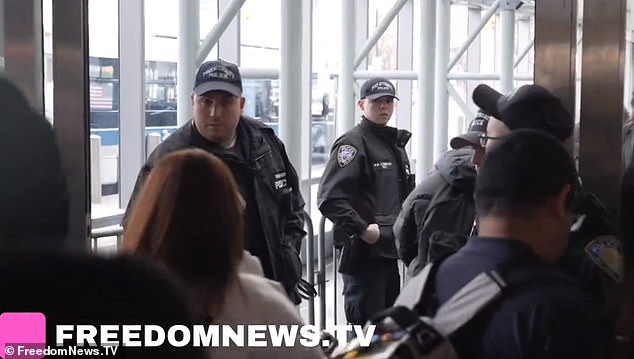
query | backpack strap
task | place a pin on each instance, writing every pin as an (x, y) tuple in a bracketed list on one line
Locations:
[(467, 303), (488, 287), (412, 293)]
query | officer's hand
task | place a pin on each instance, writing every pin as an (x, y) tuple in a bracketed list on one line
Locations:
[(371, 234)]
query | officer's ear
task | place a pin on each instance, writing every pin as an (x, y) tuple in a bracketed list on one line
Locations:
[(242, 103), (361, 104), (562, 202)]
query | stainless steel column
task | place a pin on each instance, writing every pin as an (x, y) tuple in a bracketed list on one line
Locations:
[(602, 98), (71, 110), (23, 48), (555, 48)]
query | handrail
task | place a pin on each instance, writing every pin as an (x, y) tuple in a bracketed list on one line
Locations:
[(106, 232), (310, 265), (321, 273), (97, 233)]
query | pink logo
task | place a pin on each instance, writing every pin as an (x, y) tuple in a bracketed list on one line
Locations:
[(22, 329)]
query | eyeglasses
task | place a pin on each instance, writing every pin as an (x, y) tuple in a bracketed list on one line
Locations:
[(484, 139)]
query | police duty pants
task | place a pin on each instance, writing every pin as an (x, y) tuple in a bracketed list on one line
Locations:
[(370, 289)]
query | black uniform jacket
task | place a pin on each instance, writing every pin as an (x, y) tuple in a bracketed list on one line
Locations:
[(365, 181), (275, 187)]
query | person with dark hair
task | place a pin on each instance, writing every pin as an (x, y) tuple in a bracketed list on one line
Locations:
[(523, 196), (594, 253), (41, 273), (34, 199), (258, 161), (189, 217), (361, 191), (79, 289)]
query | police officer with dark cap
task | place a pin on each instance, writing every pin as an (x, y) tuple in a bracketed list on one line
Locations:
[(257, 158), (365, 181), (594, 253)]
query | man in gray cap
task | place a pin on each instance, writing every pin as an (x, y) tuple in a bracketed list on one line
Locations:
[(257, 158), (365, 181)]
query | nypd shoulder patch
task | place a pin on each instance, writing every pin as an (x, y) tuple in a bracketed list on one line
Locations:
[(345, 155), (607, 254)]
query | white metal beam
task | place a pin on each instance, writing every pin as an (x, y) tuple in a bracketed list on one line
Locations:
[(379, 31), (188, 42), (229, 13), (131, 95)]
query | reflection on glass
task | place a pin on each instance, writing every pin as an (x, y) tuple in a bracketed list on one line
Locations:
[(628, 93)]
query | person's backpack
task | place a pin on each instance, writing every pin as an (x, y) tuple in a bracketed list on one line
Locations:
[(446, 225), (401, 332)]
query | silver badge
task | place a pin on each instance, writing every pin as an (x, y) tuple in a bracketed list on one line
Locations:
[(345, 155)]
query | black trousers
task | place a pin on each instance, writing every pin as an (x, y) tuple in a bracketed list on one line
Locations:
[(371, 289)]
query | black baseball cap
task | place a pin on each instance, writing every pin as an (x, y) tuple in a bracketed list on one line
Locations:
[(218, 75), (477, 129), (376, 88), (528, 106)]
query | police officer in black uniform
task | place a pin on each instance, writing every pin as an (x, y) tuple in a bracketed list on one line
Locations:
[(365, 181), (257, 158)]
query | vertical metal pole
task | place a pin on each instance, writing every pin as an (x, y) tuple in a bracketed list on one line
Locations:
[(291, 81), (321, 273), (361, 26), (229, 42), (335, 275), (441, 116), (132, 95), (188, 43), (404, 55), (310, 264), (306, 80), (345, 104), (361, 29), (2, 34), (473, 53), (71, 111), (507, 47), (423, 126)]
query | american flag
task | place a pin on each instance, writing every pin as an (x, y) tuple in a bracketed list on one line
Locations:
[(99, 101)]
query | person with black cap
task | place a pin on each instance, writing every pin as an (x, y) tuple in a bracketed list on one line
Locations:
[(365, 181), (257, 158), (439, 213), (523, 196), (594, 254)]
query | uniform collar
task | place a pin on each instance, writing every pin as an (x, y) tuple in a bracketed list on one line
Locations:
[(389, 134), (252, 141)]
